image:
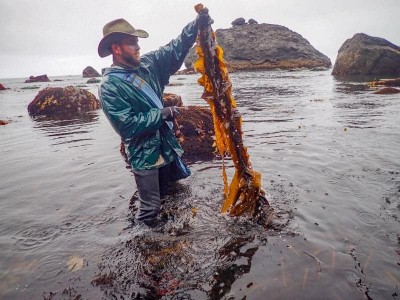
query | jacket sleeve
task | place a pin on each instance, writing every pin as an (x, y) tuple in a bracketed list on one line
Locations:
[(169, 58), (127, 122)]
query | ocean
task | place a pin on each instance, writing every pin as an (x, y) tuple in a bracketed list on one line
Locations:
[(328, 151)]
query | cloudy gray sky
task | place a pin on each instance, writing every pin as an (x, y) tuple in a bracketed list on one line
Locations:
[(60, 37)]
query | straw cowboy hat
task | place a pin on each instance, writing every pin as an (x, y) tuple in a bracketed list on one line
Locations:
[(115, 31)]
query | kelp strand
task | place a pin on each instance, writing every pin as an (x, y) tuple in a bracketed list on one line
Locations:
[(244, 194)]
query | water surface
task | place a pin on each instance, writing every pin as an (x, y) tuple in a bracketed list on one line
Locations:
[(328, 153)]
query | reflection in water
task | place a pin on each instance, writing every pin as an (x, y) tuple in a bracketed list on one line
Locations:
[(364, 111), (75, 131), (184, 258)]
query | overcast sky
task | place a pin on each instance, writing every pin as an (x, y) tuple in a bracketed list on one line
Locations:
[(60, 37)]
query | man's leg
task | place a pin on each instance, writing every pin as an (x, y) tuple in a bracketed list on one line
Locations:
[(164, 179), (149, 195)]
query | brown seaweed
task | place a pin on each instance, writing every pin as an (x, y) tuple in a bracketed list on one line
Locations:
[(244, 194)]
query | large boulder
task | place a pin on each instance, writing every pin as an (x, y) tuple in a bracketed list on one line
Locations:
[(367, 55), (194, 129), (238, 22), (2, 88), (63, 102), (40, 78), (263, 47), (90, 72)]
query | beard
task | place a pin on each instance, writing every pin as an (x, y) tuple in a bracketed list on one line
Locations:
[(130, 60)]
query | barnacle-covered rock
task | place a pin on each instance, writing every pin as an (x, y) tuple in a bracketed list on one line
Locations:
[(194, 130), (68, 101)]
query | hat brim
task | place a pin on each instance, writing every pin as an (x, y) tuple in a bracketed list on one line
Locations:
[(104, 48)]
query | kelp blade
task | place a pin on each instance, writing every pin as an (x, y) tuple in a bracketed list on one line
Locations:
[(244, 192)]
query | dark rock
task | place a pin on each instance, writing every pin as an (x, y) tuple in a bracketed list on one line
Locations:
[(252, 21), (238, 22), (3, 122), (387, 90), (40, 78), (93, 80), (68, 101), (186, 72), (194, 130), (265, 47), (193, 127), (172, 99), (367, 55), (2, 88), (89, 72)]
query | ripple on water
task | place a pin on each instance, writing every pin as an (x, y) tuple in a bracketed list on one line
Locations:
[(36, 236), (369, 219)]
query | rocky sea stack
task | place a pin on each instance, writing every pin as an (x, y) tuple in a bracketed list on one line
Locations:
[(40, 78), (90, 72), (253, 46), (367, 55)]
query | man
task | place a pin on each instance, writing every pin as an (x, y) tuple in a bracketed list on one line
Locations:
[(131, 98)]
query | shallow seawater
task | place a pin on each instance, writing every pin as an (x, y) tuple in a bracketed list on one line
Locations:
[(328, 153)]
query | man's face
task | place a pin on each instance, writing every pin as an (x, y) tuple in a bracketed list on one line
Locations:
[(129, 51)]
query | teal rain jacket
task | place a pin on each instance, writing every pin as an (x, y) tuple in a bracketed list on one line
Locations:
[(144, 133)]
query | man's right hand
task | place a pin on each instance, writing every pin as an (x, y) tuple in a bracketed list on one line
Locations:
[(169, 113), (203, 18)]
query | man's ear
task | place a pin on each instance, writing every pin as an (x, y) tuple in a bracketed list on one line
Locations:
[(115, 49)]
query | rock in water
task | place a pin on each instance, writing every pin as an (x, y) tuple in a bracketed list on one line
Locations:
[(387, 91), (64, 102), (2, 88), (172, 99), (89, 72), (93, 80), (264, 47), (194, 130), (367, 55), (40, 78)]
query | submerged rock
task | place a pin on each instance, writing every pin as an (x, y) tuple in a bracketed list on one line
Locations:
[(93, 80), (89, 72), (386, 82), (263, 47), (367, 55), (40, 78), (68, 101), (387, 91)]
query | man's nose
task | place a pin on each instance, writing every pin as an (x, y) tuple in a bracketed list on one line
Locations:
[(135, 47)]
